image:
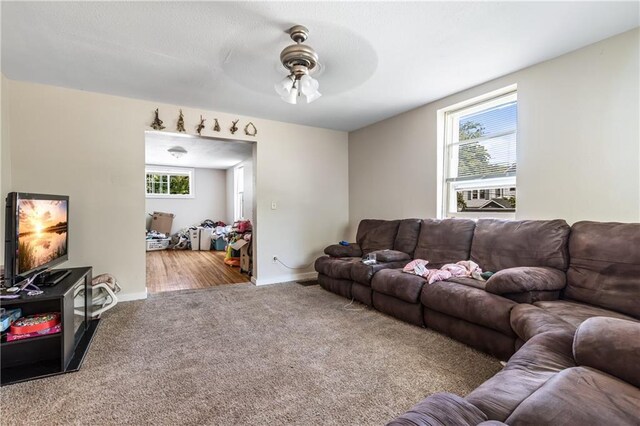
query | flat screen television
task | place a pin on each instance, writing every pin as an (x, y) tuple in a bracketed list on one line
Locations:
[(36, 234)]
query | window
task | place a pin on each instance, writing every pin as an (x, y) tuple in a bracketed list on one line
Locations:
[(480, 141), (239, 193), (169, 182)]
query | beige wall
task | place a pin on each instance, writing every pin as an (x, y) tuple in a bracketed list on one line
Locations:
[(5, 156), (578, 143), (91, 147)]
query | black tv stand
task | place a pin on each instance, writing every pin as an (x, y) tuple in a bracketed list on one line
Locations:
[(51, 354), (51, 278)]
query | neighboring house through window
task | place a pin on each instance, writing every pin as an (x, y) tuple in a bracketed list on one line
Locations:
[(169, 182), (480, 142)]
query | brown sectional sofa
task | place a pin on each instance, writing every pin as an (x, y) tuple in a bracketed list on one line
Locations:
[(554, 379), (529, 259), (550, 280), (342, 271)]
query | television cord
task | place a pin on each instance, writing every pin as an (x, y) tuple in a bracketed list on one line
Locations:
[(291, 267), (28, 286), (347, 308)]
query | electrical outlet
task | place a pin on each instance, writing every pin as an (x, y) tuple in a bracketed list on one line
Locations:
[(275, 259)]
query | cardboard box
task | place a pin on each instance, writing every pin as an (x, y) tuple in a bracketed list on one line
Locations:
[(153, 245), (161, 222), (239, 244)]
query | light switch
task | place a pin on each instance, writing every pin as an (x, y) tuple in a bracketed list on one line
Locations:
[(274, 205)]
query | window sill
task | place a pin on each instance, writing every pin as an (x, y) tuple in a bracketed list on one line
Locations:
[(175, 196), (483, 215)]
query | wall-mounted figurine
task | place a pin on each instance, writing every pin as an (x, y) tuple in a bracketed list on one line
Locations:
[(234, 128), (216, 126), (180, 125), (157, 123), (250, 129), (200, 126)]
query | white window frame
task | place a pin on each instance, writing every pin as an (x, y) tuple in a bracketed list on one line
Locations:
[(448, 140), (238, 193), (171, 171)]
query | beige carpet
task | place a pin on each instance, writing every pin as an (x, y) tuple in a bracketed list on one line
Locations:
[(281, 354)]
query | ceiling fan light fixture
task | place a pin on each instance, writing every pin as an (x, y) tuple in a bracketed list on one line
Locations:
[(300, 60), (313, 97), (292, 97), (283, 87), (177, 151)]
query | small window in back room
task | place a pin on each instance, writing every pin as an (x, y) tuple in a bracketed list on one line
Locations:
[(480, 142), (169, 182)]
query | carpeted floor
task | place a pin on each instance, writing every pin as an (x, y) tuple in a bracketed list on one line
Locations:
[(281, 354)]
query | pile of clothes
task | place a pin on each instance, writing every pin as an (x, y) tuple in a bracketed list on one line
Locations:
[(463, 268), (181, 240), (155, 235)]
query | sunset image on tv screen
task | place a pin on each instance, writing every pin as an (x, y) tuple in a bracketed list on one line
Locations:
[(42, 232)]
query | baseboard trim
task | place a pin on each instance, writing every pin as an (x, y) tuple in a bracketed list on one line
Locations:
[(127, 297), (285, 278)]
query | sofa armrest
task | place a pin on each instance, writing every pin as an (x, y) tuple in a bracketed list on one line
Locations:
[(525, 279), (611, 345), (441, 409), (385, 256), (337, 250)]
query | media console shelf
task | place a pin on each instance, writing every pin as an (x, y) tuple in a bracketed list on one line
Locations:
[(52, 354)]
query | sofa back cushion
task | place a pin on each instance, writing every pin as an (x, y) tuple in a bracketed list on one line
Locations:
[(376, 234), (501, 244), (444, 241), (605, 266), (407, 236)]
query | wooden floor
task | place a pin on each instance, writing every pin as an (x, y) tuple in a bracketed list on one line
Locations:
[(169, 270)]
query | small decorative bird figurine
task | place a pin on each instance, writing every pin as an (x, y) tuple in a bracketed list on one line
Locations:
[(157, 123), (234, 128), (200, 126), (180, 125)]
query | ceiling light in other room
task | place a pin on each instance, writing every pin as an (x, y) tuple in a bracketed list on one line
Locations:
[(177, 151), (300, 60)]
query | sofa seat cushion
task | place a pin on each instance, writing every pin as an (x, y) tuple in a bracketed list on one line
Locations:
[(440, 409), (336, 267), (555, 315), (398, 284), (363, 274), (580, 396), (470, 304), (537, 361)]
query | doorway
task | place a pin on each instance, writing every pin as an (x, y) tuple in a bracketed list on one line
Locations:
[(199, 209)]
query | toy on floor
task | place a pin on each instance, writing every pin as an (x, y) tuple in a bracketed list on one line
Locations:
[(104, 287)]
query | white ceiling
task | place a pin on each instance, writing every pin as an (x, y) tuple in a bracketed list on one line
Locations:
[(378, 59), (201, 152)]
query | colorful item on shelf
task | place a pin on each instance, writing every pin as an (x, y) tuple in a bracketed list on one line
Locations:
[(52, 330), (8, 317), (35, 323)]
